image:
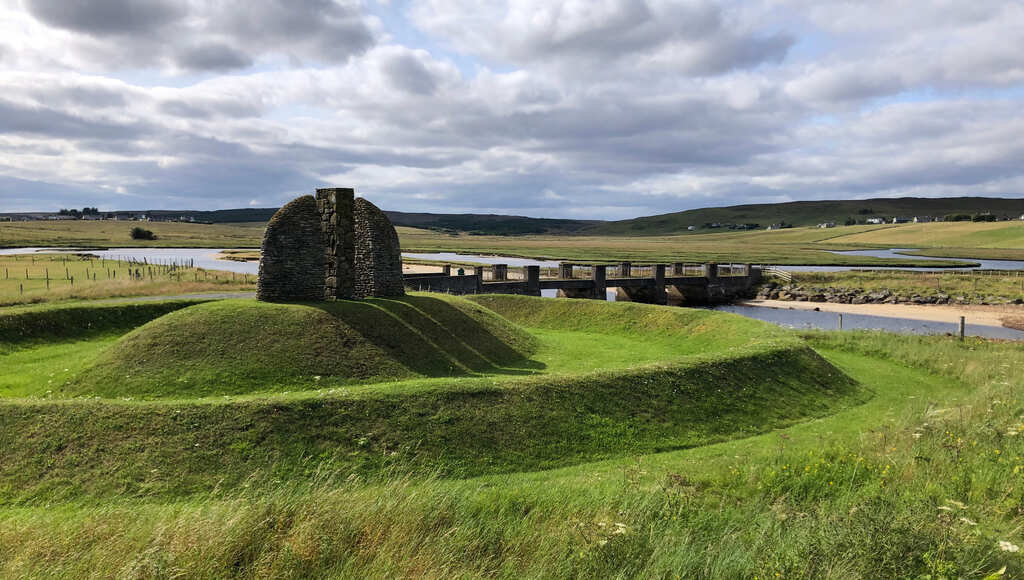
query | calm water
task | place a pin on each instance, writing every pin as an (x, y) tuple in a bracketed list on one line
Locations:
[(894, 253), (804, 319)]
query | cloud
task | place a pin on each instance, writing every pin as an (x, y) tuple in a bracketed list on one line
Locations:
[(590, 36), (598, 109), (193, 36)]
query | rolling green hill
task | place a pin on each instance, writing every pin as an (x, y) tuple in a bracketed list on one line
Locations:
[(808, 213)]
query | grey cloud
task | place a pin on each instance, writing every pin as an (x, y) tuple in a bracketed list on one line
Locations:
[(105, 17), (212, 57), (407, 73), (91, 96), (207, 36), (19, 119)]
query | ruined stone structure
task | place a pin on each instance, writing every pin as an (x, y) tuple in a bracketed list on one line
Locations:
[(292, 263), (378, 256), (335, 206), (329, 247)]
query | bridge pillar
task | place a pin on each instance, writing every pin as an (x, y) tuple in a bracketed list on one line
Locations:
[(565, 271), (677, 269), (478, 273), (625, 269), (533, 280), (446, 269), (499, 272), (599, 273)]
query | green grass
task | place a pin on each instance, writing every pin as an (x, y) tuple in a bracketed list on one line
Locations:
[(116, 234), (43, 278), (906, 485), (970, 286), (713, 467), (242, 346), (673, 378)]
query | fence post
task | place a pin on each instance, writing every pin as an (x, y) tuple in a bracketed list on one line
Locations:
[(962, 328), (840, 321)]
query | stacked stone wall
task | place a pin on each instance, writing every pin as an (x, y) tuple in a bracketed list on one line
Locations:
[(292, 261), (335, 206), (378, 256)]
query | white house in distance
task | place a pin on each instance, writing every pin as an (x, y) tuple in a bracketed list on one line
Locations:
[(825, 225), (877, 221), (922, 219)]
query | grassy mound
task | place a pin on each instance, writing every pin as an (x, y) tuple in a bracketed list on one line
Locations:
[(734, 378), (244, 346)]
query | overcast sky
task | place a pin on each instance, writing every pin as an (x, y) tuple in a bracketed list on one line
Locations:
[(580, 108)]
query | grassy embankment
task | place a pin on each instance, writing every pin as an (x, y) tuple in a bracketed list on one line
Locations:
[(924, 479), (35, 278), (972, 287), (635, 379)]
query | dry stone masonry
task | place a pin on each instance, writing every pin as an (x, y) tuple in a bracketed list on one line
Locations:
[(378, 256), (329, 247), (292, 263), (336, 223)]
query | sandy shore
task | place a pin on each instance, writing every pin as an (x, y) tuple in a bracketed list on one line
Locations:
[(975, 314)]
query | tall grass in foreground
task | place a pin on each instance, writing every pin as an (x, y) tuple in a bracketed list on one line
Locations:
[(933, 486)]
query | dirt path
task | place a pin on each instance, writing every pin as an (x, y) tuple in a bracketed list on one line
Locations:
[(975, 314)]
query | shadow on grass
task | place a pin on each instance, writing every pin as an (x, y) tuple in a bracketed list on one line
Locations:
[(431, 337)]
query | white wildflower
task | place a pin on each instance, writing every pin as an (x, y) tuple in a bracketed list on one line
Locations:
[(1008, 547)]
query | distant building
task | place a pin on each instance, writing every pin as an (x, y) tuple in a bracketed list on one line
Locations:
[(61, 218), (900, 220), (1022, 217), (875, 221), (922, 219), (4, 218), (92, 217), (775, 227), (825, 225), (688, 228)]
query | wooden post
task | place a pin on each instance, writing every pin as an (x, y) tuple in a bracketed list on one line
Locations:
[(840, 321), (625, 269), (962, 325), (565, 270)]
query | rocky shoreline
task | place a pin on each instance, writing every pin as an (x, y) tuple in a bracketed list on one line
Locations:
[(844, 295)]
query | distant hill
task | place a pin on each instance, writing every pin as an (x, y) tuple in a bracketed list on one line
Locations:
[(490, 224), (808, 213)]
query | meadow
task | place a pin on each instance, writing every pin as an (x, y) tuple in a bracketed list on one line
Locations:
[(37, 278), (911, 467)]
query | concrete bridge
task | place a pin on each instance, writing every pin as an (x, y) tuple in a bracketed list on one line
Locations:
[(651, 284)]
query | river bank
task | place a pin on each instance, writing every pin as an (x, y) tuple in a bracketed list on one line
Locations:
[(1004, 315)]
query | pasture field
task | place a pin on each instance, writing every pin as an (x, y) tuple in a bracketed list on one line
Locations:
[(36, 278), (911, 466), (116, 234)]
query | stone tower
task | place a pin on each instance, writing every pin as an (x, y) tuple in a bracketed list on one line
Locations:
[(329, 247)]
